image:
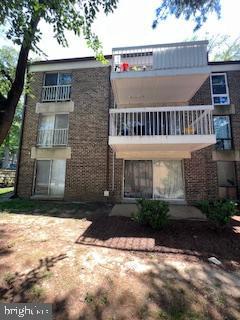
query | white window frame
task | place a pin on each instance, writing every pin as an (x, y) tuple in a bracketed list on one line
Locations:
[(220, 95), (49, 177)]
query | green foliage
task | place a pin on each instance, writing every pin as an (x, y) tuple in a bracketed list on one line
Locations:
[(62, 15), (152, 212), (198, 10), (221, 47), (219, 212), (8, 60)]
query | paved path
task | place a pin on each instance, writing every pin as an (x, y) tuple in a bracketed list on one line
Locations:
[(177, 212)]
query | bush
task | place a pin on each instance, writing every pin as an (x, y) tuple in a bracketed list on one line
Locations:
[(219, 212), (152, 212)]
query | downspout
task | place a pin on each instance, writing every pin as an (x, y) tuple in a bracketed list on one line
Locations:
[(108, 127), (20, 147)]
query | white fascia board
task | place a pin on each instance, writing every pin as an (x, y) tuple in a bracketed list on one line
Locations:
[(161, 73), (155, 140), (225, 67), (67, 66)]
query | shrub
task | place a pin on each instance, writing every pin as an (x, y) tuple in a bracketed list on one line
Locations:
[(152, 212), (219, 212)]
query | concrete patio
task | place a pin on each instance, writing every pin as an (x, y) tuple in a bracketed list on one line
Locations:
[(177, 212)]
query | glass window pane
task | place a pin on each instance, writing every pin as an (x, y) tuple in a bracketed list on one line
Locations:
[(222, 127), (168, 180), (138, 179), (42, 177), (65, 78), (57, 184), (51, 79), (61, 121), (218, 84), (226, 174)]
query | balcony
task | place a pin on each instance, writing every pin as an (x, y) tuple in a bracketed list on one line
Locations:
[(56, 93), (167, 74), (170, 132), (52, 138)]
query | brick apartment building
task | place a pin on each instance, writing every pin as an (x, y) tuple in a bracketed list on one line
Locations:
[(157, 122)]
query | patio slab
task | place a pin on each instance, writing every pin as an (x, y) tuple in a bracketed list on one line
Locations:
[(177, 212)]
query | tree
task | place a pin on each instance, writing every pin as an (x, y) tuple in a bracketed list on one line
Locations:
[(22, 17), (8, 59), (221, 47), (196, 9)]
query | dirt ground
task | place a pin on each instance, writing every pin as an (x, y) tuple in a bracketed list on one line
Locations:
[(91, 266)]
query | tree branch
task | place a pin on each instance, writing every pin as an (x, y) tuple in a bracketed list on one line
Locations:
[(6, 74)]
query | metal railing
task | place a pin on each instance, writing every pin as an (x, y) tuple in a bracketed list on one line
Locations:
[(164, 121), (56, 93), (52, 137), (167, 56)]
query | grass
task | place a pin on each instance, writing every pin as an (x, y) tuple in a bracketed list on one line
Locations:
[(3, 191), (20, 205)]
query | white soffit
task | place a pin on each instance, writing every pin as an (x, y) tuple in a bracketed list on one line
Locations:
[(167, 89)]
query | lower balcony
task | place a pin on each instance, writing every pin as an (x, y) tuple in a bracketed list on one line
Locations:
[(48, 138), (165, 132)]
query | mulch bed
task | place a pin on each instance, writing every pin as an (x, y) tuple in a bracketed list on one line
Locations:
[(190, 238)]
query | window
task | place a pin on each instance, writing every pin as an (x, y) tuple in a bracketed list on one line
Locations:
[(50, 177), (219, 87), (58, 78), (53, 130), (57, 87), (226, 174), (222, 127)]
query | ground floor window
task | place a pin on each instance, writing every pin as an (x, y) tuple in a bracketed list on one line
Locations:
[(158, 179), (50, 177)]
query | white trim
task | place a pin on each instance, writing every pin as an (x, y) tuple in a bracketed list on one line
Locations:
[(220, 95), (165, 45), (202, 70), (49, 67), (163, 109), (225, 67)]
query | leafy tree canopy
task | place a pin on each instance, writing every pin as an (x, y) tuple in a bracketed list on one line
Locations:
[(21, 20), (196, 9)]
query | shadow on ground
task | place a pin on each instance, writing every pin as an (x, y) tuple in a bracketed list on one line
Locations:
[(191, 238), (164, 292)]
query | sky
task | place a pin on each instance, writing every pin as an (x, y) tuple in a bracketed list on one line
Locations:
[(131, 24)]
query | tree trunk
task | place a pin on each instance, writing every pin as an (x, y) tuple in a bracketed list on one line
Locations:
[(8, 105)]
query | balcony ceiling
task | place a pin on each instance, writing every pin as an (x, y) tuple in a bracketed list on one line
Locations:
[(157, 86)]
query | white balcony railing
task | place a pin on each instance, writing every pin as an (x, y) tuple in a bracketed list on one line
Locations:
[(160, 57), (161, 121), (56, 93), (52, 137)]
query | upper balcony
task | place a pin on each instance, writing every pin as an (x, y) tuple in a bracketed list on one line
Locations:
[(168, 74), (56, 93), (171, 132)]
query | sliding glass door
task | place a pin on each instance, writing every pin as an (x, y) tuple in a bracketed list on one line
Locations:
[(153, 179), (168, 180), (138, 179), (50, 177)]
